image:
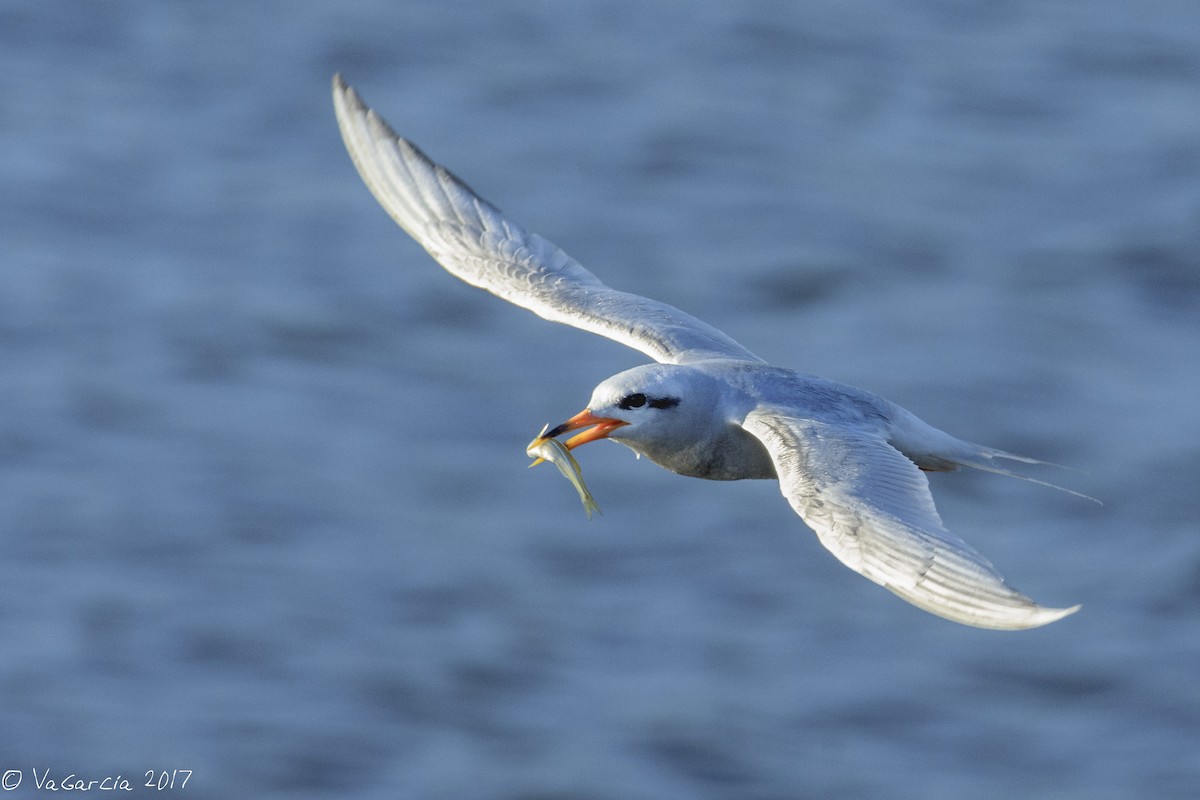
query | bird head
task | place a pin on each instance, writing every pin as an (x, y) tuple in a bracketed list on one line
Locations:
[(645, 408)]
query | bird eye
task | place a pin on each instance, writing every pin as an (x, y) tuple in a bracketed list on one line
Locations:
[(632, 401), (637, 400)]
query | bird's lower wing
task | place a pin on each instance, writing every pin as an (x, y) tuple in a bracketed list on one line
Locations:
[(871, 507), (473, 240)]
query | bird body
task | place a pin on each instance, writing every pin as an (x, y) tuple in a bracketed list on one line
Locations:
[(849, 462), (721, 394)]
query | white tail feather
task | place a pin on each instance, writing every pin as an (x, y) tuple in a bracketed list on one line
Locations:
[(983, 459)]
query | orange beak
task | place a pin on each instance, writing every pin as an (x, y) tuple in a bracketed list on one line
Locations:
[(600, 428)]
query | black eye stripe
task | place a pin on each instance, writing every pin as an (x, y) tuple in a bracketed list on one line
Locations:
[(637, 400)]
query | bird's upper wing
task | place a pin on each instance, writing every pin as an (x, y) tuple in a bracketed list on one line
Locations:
[(473, 240), (871, 507)]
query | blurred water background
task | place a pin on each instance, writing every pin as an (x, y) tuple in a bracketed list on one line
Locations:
[(265, 513)]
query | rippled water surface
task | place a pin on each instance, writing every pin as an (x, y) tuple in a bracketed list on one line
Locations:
[(265, 512)]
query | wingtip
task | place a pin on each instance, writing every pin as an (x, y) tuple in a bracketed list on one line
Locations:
[(341, 89), (1015, 613), (1047, 615), (1035, 617)]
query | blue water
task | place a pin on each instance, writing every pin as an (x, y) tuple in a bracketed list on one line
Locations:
[(265, 514)]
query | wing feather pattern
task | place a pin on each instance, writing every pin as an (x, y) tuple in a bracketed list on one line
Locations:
[(474, 241), (871, 507)]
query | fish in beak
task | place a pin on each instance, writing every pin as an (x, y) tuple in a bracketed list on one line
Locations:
[(598, 428)]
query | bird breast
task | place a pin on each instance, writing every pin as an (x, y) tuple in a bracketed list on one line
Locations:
[(732, 456)]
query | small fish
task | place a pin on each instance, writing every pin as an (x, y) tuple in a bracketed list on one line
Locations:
[(557, 454)]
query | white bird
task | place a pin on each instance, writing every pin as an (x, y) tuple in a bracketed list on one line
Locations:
[(849, 462)]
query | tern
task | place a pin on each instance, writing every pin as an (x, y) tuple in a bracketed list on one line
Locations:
[(850, 463)]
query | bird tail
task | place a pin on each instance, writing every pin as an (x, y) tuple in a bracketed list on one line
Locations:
[(984, 458), (937, 451)]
